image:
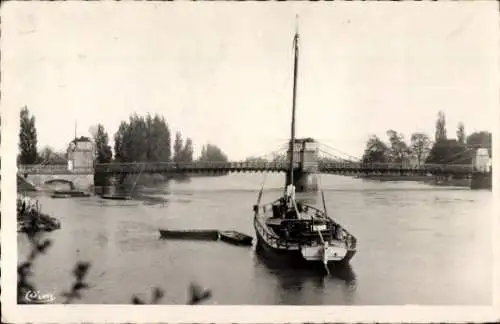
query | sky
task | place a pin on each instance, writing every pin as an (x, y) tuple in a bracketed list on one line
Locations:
[(221, 73)]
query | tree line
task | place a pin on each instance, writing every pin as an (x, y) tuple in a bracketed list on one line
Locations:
[(441, 150), (139, 139)]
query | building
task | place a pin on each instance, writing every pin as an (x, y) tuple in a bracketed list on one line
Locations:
[(81, 154), (482, 160)]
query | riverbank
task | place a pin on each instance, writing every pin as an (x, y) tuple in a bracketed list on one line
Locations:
[(23, 185), (423, 179), (30, 217)]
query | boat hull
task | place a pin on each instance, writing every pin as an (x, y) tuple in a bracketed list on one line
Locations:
[(235, 238), (210, 235), (70, 193), (60, 196), (111, 197)]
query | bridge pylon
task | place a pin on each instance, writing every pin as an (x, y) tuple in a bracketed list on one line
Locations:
[(306, 152)]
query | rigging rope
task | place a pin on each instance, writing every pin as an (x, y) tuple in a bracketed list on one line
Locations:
[(323, 243), (322, 195), (137, 178), (261, 189)]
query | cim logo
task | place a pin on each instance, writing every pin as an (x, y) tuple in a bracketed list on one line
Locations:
[(35, 297)]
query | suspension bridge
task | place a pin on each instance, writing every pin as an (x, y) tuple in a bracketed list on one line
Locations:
[(311, 158)]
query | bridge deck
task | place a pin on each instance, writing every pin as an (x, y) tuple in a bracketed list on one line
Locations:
[(225, 167)]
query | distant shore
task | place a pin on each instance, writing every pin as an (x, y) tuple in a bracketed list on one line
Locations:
[(423, 179), (155, 178)]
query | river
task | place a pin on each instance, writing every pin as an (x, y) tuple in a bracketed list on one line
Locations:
[(417, 244)]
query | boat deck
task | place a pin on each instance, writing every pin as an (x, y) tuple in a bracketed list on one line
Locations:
[(303, 230)]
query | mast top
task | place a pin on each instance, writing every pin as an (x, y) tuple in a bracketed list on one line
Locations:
[(296, 37)]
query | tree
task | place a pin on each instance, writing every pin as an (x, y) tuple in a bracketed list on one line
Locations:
[(101, 141), (279, 157), (440, 127), (449, 151), (162, 137), (119, 146), (480, 139), (399, 149), (187, 151), (461, 133), (211, 153), (178, 147), (49, 156), (420, 146), (376, 151), (142, 139), (27, 138), (256, 159)]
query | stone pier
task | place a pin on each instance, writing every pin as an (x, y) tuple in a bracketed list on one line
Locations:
[(306, 165)]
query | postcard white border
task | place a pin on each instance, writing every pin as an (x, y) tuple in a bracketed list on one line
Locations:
[(209, 314)]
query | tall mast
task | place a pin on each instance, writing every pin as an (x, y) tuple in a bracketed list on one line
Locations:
[(295, 70)]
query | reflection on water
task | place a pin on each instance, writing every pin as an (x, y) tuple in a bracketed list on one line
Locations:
[(416, 244), (305, 270), (301, 283)]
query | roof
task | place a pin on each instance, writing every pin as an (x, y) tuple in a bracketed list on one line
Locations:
[(81, 139)]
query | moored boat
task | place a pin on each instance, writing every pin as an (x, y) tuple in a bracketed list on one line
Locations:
[(298, 230), (60, 196), (211, 235), (113, 197), (236, 238), (70, 193)]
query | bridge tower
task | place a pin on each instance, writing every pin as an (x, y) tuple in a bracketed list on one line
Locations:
[(81, 161), (482, 177), (81, 154), (305, 165)]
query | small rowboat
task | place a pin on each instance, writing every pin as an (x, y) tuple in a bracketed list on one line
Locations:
[(111, 197), (70, 193), (236, 238), (60, 196), (211, 235)]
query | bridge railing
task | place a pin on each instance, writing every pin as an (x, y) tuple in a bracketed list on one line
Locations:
[(52, 169), (393, 166), (152, 167), (23, 167), (172, 166)]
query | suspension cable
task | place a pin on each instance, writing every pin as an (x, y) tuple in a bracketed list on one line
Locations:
[(343, 153)]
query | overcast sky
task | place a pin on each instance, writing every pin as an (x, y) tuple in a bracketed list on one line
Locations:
[(222, 72)]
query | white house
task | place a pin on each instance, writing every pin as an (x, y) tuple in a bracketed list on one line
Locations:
[(81, 154), (482, 160)]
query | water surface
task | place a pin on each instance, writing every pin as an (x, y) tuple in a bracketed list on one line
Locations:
[(417, 244)]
